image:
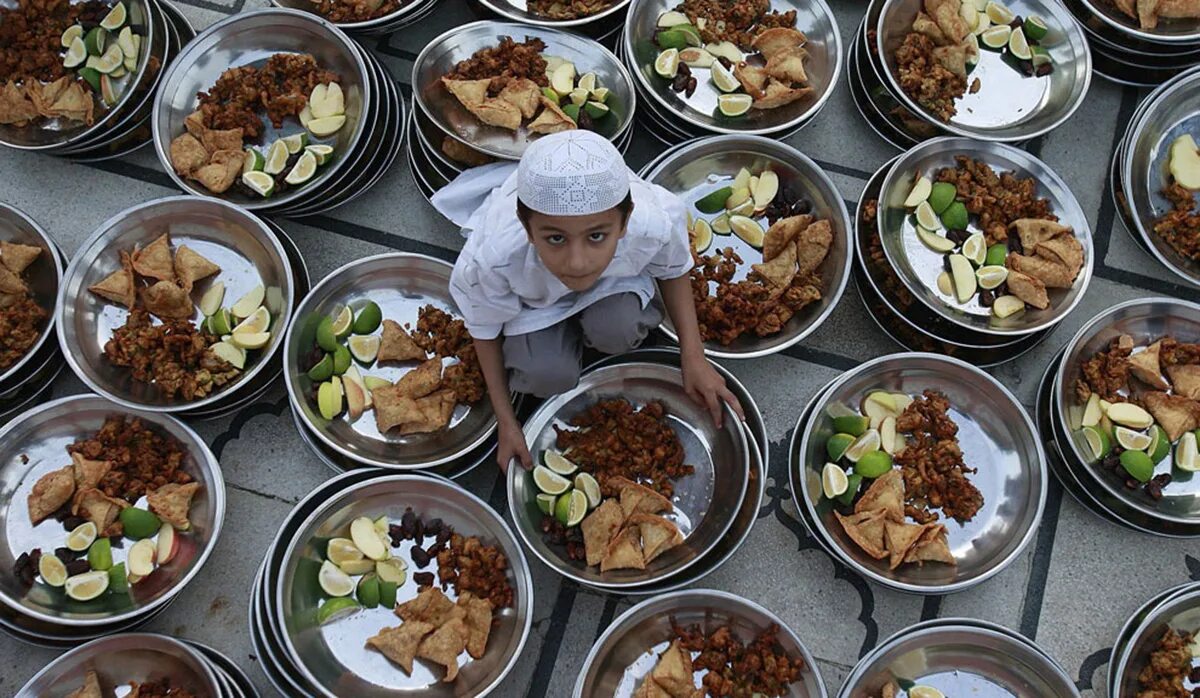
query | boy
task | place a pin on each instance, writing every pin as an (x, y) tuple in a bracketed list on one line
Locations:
[(567, 251)]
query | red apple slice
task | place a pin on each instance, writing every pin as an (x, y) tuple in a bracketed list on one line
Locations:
[(168, 543)]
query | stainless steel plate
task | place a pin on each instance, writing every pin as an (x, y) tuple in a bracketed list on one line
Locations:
[(518, 11), (1181, 612), (35, 445), (1008, 106), (1168, 31), (43, 277), (705, 502), (960, 659), (120, 659), (333, 656), (918, 266), (709, 164), (240, 683), (868, 110), (243, 246), (401, 284), (1145, 320), (442, 53), (1167, 114), (995, 435), (629, 648), (1127, 632), (402, 16), (823, 67), (248, 39)]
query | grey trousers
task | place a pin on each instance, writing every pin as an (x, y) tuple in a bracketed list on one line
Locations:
[(547, 362)]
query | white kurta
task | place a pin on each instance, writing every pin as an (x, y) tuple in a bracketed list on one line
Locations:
[(499, 282)]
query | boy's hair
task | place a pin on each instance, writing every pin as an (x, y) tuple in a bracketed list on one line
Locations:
[(625, 208)]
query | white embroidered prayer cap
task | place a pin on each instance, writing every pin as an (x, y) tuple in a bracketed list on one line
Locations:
[(572, 173)]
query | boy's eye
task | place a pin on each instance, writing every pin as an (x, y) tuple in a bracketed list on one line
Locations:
[(556, 239), (597, 237)]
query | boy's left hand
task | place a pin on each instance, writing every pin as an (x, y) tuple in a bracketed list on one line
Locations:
[(707, 387)]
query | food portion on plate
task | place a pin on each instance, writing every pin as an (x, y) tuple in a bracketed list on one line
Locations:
[(772, 291), (160, 343), (893, 689), (936, 58), (1180, 226), (451, 611), (1138, 402), (567, 9), (605, 491), (464, 154), (905, 449), (65, 62), (158, 688), (728, 667), (224, 144), (1002, 245), (346, 11), (515, 85), (22, 320), (422, 401), (754, 56), (110, 518), (1173, 668), (1147, 13)]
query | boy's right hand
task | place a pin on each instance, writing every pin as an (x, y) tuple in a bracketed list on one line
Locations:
[(511, 446)]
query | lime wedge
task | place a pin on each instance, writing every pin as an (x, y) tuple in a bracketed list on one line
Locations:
[(975, 249), (587, 484), (999, 13), (357, 567), (720, 225), (73, 32), (341, 360), (249, 304), (295, 143), (571, 508), (996, 255), (558, 463), (1018, 46), (1132, 440), (258, 321), (587, 81), (921, 191), (108, 62), (87, 586), (53, 571), (1159, 446), (734, 104), (1138, 465), (392, 570), (926, 218), (342, 324), (277, 157), (934, 241), (1098, 441), (304, 169), (1035, 27), (81, 537), (833, 480), (714, 202), (723, 78), (600, 94), (1187, 455), (847, 498), (115, 18), (139, 523), (367, 591), (323, 370), (342, 550), (837, 444), (76, 53), (234, 355), (864, 444), (327, 126), (365, 349), (596, 110), (1040, 55), (873, 464), (855, 425), (96, 40), (1007, 306), (334, 581), (546, 502), (323, 153), (253, 160), (945, 284), (368, 319), (251, 340), (549, 481), (990, 277), (955, 216), (261, 183), (748, 230), (118, 581), (667, 63), (996, 37), (578, 96), (100, 554), (671, 19), (337, 609)]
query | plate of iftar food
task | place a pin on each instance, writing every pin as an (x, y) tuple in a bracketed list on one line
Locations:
[(29, 284), (1161, 655), (406, 585), (697, 643), (271, 121), (985, 235), (70, 68), (498, 86), (1159, 166), (112, 512), (558, 13), (381, 368), (1128, 395), (1160, 21), (985, 69), (920, 472), (634, 481), (129, 664), (770, 239), (751, 66), (175, 303)]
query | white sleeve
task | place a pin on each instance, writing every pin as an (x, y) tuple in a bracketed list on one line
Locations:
[(483, 297), (674, 257)]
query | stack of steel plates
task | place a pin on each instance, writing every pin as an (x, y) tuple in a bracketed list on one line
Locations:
[(1140, 171), (897, 275), (446, 139), (33, 446), (127, 659), (400, 285), (251, 254), (1097, 477), (312, 642), (699, 167), (26, 378), (362, 149), (406, 13), (672, 116), (1177, 608), (627, 652), (124, 126), (993, 427), (712, 506), (603, 25), (1007, 106), (1125, 52), (999, 659)]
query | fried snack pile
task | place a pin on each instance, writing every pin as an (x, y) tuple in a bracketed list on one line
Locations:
[(502, 86), (932, 61), (735, 21), (160, 688), (625, 532), (1180, 227), (21, 318), (339, 11), (735, 670), (64, 98), (783, 79), (932, 462), (1148, 12), (878, 527), (1169, 664), (567, 9), (785, 282)]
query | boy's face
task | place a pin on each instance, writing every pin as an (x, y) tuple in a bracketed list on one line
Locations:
[(577, 249)]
